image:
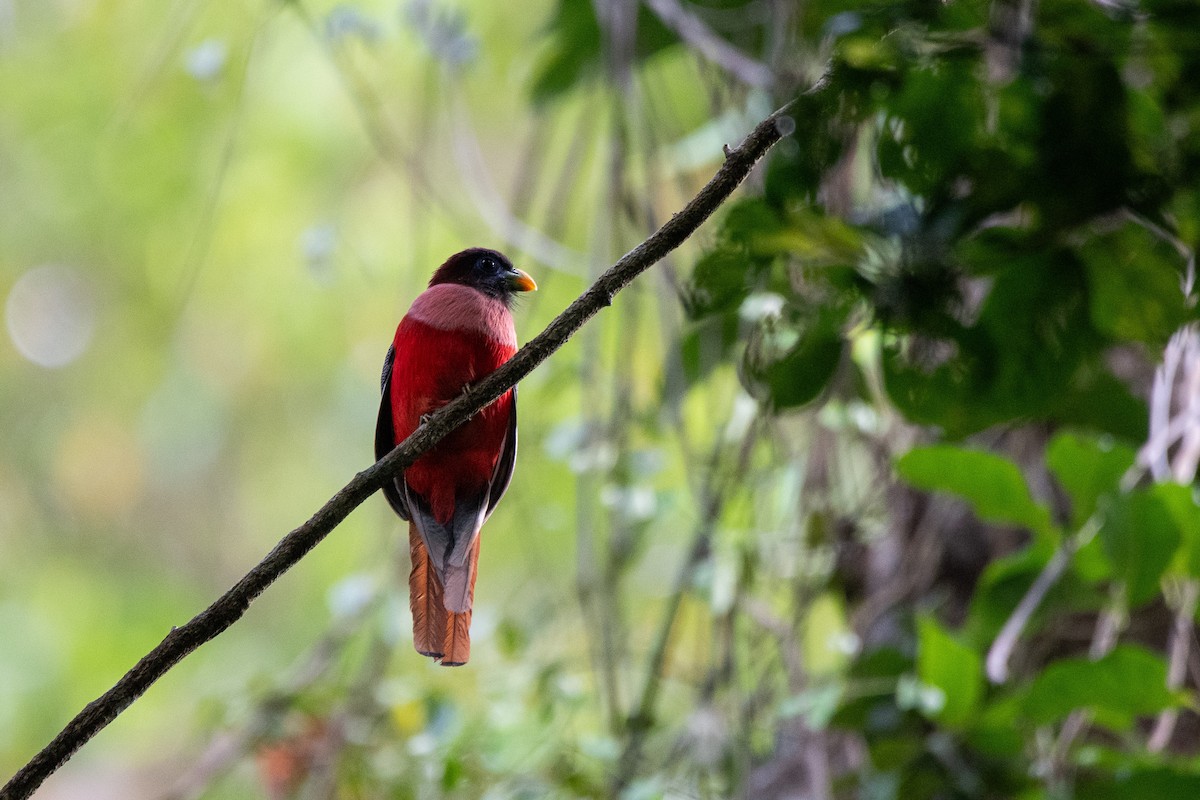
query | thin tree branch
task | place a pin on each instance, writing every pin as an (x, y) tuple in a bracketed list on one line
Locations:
[(1014, 626), (692, 30), (1180, 648), (227, 609), (1182, 359), (1111, 620)]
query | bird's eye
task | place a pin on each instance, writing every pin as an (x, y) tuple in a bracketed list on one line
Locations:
[(487, 264)]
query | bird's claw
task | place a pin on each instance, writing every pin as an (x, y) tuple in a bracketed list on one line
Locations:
[(466, 390)]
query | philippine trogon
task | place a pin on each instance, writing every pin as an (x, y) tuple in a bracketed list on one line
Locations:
[(456, 332)]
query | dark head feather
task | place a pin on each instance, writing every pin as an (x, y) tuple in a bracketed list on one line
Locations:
[(486, 270)]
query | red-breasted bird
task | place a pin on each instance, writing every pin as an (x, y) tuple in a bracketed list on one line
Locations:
[(456, 332)]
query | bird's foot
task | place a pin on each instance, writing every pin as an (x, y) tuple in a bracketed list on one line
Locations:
[(466, 391)]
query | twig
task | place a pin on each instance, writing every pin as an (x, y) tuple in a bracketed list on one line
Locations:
[(202, 235), (1104, 638), (1181, 640), (1006, 640), (1014, 626), (230, 606), (1182, 356), (692, 30)]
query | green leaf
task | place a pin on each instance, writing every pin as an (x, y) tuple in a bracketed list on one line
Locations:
[(748, 220), (1002, 585), (1102, 402), (952, 667), (801, 374), (1140, 536), (992, 485), (1127, 683), (814, 239), (1134, 283), (939, 111), (942, 396), (1091, 564), (868, 54), (995, 733), (1087, 467), (1180, 503), (719, 283), (1141, 783)]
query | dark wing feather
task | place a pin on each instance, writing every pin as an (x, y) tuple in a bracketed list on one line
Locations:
[(385, 378), (385, 437), (502, 476)]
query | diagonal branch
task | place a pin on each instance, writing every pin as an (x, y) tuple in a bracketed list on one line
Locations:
[(227, 609)]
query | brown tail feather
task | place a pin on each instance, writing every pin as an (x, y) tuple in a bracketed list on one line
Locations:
[(457, 645), (425, 599)]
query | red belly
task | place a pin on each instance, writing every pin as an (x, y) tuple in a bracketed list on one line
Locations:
[(431, 368)]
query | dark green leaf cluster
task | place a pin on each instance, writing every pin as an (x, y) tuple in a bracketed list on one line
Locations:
[(930, 719), (1002, 203), (981, 213)]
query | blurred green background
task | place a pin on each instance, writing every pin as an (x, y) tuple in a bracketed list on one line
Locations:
[(773, 510), (205, 258), (214, 215)]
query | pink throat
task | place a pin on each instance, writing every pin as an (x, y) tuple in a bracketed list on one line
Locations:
[(454, 307)]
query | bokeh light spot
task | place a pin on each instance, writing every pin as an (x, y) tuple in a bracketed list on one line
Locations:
[(205, 61), (51, 315)]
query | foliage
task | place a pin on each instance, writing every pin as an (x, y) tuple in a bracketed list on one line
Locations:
[(1003, 232), (982, 211), (777, 510)]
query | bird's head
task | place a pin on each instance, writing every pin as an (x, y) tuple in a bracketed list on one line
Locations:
[(485, 270)]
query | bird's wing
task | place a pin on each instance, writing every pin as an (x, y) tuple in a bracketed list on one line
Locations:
[(502, 476), (385, 437)]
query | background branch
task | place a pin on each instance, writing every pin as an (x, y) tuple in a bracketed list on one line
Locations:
[(692, 30), (227, 609), (713, 499)]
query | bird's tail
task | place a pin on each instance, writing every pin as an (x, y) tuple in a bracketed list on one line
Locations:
[(425, 599), (457, 643), (440, 634)]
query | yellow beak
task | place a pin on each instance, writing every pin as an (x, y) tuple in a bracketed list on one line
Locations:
[(519, 281)]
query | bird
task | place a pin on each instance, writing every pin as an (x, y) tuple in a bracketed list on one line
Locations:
[(456, 332)]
